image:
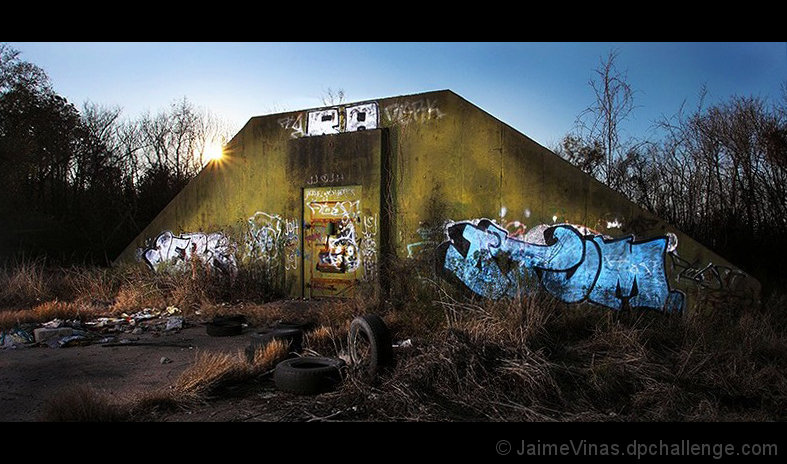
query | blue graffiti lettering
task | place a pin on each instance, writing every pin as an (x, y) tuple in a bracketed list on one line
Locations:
[(570, 266)]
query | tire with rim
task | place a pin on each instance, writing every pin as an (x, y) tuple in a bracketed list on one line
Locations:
[(369, 343), (291, 336), (308, 375)]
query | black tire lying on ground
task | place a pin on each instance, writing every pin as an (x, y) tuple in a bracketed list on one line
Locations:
[(259, 339), (308, 375), (224, 328), (369, 343)]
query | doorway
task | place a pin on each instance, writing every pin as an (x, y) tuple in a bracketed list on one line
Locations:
[(332, 261)]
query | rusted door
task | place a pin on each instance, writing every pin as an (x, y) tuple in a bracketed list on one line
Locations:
[(332, 261)]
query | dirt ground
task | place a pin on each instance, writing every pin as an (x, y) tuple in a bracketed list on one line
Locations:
[(31, 376)]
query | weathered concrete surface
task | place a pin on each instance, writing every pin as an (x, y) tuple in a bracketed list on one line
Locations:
[(433, 154)]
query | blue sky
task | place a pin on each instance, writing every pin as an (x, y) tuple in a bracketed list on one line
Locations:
[(538, 88)]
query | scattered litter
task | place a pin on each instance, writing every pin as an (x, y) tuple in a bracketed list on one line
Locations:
[(107, 322), (53, 324), (165, 360), (74, 340), (404, 344), (145, 314), (15, 338), (174, 323), (171, 310)]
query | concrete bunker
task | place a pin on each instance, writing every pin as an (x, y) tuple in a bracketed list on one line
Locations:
[(324, 192)]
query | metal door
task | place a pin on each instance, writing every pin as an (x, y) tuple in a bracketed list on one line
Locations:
[(331, 238)]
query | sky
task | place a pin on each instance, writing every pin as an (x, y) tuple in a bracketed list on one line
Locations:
[(537, 88)]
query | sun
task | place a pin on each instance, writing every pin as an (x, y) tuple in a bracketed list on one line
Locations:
[(214, 152)]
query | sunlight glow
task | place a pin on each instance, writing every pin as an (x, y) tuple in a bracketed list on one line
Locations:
[(213, 152)]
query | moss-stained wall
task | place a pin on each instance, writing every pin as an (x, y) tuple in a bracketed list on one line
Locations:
[(478, 168), (437, 157)]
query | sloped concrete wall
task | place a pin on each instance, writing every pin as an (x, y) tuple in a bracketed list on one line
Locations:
[(452, 178)]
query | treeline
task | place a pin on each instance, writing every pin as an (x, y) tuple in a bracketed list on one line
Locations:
[(78, 184), (717, 172)]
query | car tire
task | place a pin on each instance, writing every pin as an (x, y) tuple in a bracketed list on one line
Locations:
[(369, 344), (308, 375)]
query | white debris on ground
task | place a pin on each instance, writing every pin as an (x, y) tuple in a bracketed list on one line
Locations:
[(64, 333)]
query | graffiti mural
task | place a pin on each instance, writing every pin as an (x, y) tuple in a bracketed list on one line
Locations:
[(341, 254), (570, 265), (270, 235), (215, 250), (271, 239), (413, 111), (334, 120)]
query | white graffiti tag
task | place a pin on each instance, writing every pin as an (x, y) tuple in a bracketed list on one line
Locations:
[(270, 234), (369, 247), (339, 209), (294, 124), (215, 250), (413, 111)]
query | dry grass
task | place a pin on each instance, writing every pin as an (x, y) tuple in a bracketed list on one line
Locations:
[(538, 359), (47, 311), (265, 358), (24, 282), (209, 375), (323, 341), (526, 359), (82, 404)]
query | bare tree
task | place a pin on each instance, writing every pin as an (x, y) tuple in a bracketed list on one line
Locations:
[(601, 122), (15, 72), (333, 97)]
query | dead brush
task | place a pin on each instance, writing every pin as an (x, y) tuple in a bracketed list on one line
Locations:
[(465, 378), (59, 310), (137, 288), (89, 284), (47, 311), (322, 341), (10, 318), (24, 282), (520, 321), (211, 371), (266, 357), (256, 315), (207, 374), (82, 404)]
